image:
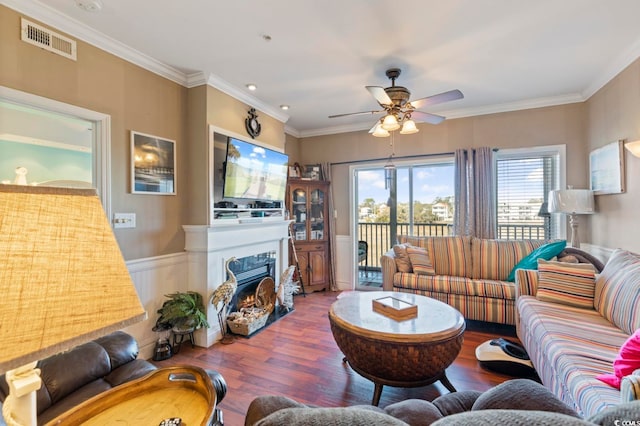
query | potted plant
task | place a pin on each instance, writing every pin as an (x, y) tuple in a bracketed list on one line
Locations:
[(184, 311)]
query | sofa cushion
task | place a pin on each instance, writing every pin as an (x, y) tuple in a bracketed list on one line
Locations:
[(89, 361), (567, 283), (449, 255), (626, 362), (414, 411), (76, 397), (121, 347), (521, 394), (546, 252), (494, 259), (336, 416), (617, 294), (420, 262), (403, 262), (569, 346)]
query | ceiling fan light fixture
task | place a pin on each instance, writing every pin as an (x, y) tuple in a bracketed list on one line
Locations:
[(390, 123), (409, 127), (379, 132)]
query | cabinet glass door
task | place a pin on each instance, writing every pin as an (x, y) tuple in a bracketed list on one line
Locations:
[(299, 210), (316, 215)]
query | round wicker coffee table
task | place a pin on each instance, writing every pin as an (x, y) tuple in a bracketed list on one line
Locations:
[(410, 353)]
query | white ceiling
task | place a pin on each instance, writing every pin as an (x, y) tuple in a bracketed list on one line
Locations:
[(502, 54)]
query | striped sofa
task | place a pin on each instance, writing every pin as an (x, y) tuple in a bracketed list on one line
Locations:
[(470, 274), (569, 346)]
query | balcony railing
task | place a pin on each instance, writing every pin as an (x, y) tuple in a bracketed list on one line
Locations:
[(377, 235)]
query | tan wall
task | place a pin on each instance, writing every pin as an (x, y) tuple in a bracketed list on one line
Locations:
[(613, 113), (519, 129), (135, 99), (292, 148)]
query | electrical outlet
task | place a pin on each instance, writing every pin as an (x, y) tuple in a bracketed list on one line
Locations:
[(124, 220)]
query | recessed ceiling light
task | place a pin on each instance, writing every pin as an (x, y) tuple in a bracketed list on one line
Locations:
[(89, 5), (284, 107), (251, 86)]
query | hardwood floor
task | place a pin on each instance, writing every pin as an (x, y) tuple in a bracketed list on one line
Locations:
[(297, 357)]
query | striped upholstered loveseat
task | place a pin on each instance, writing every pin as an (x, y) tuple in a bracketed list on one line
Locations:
[(470, 274), (570, 343)]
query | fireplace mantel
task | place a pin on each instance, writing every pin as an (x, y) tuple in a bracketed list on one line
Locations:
[(208, 247)]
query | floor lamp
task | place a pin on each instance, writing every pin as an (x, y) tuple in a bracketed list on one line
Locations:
[(64, 282), (572, 202)]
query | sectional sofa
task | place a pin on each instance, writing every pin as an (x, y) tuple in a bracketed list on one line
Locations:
[(574, 329)]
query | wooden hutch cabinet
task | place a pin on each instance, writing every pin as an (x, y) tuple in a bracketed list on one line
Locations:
[(308, 209)]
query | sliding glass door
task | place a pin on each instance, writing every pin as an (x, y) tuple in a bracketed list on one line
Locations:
[(412, 198)]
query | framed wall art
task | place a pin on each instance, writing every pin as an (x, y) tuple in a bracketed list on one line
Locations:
[(606, 169), (312, 172), (153, 165)]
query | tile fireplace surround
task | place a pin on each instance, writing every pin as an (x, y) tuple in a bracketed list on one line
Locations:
[(208, 247)]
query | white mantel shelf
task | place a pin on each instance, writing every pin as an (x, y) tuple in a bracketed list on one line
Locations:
[(209, 246)]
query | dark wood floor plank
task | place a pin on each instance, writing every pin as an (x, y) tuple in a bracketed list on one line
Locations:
[(297, 357)]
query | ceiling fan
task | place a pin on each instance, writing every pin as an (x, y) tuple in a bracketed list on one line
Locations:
[(400, 111)]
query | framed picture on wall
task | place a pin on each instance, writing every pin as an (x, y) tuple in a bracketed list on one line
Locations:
[(312, 172), (153, 164), (606, 169)]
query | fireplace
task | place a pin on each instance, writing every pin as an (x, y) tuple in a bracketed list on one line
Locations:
[(209, 246), (249, 271)]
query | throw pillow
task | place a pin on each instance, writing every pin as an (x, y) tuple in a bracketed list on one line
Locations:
[(570, 284), (626, 362), (402, 258), (420, 261), (546, 252)]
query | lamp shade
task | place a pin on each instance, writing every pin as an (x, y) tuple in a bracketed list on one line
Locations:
[(379, 132), (409, 127), (390, 123), (633, 148), (64, 281), (571, 201)]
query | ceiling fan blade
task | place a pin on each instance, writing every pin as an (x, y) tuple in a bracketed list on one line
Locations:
[(356, 113), (380, 95), (426, 117), (451, 95)]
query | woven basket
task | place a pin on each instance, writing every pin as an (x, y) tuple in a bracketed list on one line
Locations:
[(248, 328)]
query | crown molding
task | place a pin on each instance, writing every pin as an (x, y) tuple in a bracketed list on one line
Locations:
[(570, 98), (200, 78), (231, 90), (293, 132), (51, 17), (621, 62)]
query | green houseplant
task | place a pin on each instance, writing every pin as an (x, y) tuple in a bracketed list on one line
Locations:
[(183, 311)]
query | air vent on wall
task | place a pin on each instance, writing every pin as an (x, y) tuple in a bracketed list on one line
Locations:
[(48, 40)]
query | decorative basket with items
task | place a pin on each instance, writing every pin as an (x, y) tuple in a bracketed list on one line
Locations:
[(250, 319)]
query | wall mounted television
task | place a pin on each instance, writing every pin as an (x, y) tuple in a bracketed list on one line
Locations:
[(254, 173)]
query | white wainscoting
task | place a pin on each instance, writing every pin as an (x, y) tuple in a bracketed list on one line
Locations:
[(345, 272), (154, 277)]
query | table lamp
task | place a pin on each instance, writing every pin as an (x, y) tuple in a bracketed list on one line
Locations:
[(572, 202), (64, 282)]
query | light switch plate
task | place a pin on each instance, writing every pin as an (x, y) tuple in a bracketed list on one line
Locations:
[(124, 220)]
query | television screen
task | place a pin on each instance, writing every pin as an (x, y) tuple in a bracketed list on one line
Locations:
[(253, 172)]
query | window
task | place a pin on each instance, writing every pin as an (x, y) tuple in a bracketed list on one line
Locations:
[(39, 128), (524, 178)]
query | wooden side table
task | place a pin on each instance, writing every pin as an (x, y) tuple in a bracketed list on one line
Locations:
[(409, 353)]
